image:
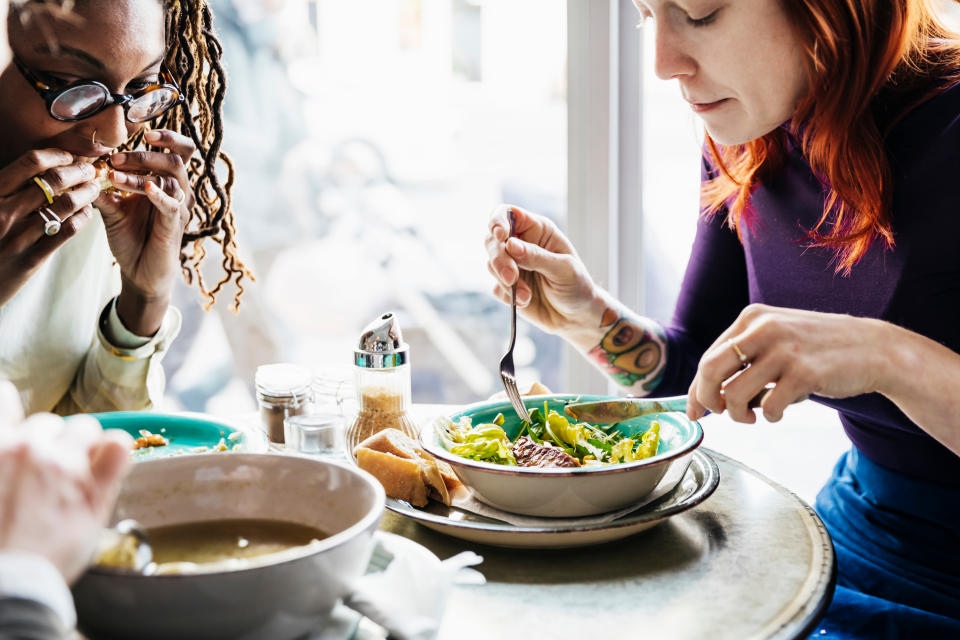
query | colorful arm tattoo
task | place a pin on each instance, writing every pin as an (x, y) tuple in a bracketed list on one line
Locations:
[(630, 352)]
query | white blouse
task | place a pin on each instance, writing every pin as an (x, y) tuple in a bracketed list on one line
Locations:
[(63, 345)]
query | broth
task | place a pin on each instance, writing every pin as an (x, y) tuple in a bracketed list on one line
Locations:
[(216, 540)]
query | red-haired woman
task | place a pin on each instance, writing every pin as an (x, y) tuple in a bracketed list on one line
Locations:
[(827, 257)]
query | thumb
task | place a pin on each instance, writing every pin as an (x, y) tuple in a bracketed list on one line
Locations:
[(108, 206), (533, 257), (109, 460)]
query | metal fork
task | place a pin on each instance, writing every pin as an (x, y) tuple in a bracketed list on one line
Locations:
[(507, 372)]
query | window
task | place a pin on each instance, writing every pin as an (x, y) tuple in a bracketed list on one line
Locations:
[(371, 140)]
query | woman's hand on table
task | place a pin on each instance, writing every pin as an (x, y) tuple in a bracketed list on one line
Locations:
[(802, 352), (23, 244), (554, 289), (58, 482), (145, 226)]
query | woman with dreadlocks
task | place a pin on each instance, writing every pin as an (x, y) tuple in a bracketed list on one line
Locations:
[(86, 273)]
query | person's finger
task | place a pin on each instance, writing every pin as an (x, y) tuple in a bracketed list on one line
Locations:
[(175, 142), (164, 164), (787, 391), (32, 163), (31, 229), (502, 267), (745, 385), (62, 179), (170, 218), (49, 442), (531, 257), (46, 245), (109, 461), (499, 223), (501, 294), (80, 432), (696, 407), (11, 409)]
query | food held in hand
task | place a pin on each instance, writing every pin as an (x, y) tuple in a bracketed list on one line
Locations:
[(405, 470), (548, 440), (102, 167)]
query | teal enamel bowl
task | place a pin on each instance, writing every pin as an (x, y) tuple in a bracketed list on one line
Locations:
[(564, 492)]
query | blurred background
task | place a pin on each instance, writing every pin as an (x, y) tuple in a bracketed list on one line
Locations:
[(371, 140)]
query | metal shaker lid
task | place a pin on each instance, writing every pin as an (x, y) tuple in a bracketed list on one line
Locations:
[(381, 345)]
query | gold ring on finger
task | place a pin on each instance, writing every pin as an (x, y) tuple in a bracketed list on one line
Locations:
[(744, 360), (45, 187), (51, 221)]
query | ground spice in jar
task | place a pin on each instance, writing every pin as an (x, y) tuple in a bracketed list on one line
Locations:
[(381, 408), (283, 390)]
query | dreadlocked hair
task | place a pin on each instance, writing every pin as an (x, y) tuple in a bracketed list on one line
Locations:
[(194, 58)]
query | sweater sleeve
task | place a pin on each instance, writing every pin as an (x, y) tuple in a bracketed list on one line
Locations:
[(714, 291), (115, 378)]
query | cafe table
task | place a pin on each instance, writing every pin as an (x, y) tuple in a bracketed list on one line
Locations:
[(751, 561)]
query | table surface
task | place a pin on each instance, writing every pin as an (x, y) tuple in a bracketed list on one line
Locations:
[(753, 561)]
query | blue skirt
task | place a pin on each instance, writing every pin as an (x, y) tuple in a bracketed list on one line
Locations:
[(897, 542)]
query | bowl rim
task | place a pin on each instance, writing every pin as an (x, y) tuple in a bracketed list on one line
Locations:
[(454, 460), (268, 560)]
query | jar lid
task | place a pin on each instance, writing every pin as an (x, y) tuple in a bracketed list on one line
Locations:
[(381, 345), (282, 380)]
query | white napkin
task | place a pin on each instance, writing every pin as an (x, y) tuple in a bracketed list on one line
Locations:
[(408, 597), (464, 499)]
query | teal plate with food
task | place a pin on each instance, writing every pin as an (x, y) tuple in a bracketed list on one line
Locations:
[(158, 435)]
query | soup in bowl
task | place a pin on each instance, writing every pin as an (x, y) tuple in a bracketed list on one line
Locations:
[(247, 546)]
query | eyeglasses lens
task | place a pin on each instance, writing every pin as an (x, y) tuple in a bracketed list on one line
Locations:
[(78, 102), (151, 104)]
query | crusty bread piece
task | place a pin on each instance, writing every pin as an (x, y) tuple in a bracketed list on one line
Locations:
[(537, 389), (401, 477), (394, 442), (449, 477)]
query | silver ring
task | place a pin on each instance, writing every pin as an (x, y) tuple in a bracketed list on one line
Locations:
[(51, 221)]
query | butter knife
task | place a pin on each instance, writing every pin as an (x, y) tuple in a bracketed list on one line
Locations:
[(607, 411)]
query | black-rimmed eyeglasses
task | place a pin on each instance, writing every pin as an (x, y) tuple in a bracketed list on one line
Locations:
[(85, 98)]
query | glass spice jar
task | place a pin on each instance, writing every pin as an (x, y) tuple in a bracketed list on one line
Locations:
[(382, 382), (283, 390)]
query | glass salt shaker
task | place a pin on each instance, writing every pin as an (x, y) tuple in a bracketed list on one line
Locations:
[(382, 382), (283, 390)]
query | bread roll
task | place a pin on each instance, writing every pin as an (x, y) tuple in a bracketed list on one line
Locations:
[(401, 478), (437, 477)]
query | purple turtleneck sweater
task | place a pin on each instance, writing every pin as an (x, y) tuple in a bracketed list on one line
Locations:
[(915, 285)]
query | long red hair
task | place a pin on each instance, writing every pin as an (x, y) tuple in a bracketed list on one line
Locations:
[(854, 49)]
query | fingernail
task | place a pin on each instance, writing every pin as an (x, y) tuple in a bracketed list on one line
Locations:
[(153, 136), (505, 275), (118, 158), (523, 298)]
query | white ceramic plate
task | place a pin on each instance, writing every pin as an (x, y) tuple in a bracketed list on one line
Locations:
[(701, 480)]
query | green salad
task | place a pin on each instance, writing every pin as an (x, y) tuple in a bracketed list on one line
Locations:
[(548, 433)]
